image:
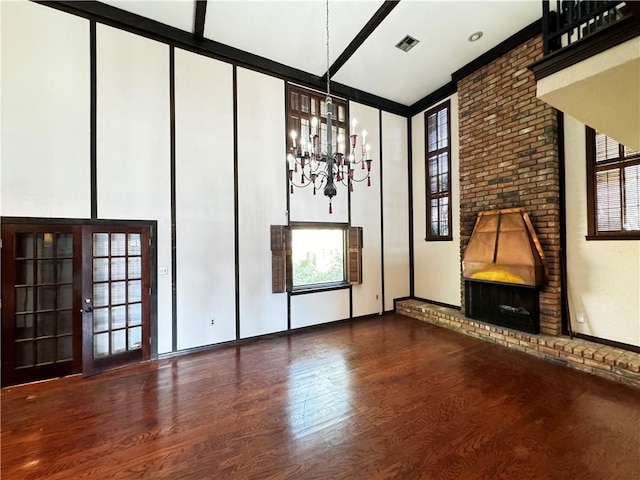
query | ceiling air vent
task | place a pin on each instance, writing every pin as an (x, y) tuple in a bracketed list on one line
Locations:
[(407, 43)]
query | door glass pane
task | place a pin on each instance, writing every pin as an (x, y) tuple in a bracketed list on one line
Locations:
[(44, 245), (135, 314), (65, 271), (118, 317), (24, 299), (100, 244), (118, 244), (65, 348), (24, 326), (100, 269), (135, 291), (65, 322), (101, 345), (46, 298), (100, 294), (64, 245), (100, 319), (24, 272), (24, 245), (46, 272), (24, 354), (118, 293), (118, 341), (118, 269), (135, 267), (135, 338), (46, 351), (46, 324), (65, 296), (134, 244)]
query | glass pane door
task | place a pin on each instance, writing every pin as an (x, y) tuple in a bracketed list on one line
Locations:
[(116, 298), (39, 322)]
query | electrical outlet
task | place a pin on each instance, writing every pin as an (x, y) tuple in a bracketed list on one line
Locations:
[(580, 317), (213, 321)]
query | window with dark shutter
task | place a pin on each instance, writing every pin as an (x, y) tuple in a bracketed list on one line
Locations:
[(438, 172), (613, 188), (313, 256)]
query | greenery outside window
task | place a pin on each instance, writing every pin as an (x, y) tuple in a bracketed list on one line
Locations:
[(318, 255), (307, 257), (438, 172), (613, 188)]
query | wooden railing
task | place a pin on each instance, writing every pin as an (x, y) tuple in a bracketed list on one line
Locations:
[(574, 20)]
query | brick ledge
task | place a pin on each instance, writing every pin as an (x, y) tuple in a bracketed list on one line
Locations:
[(602, 360)]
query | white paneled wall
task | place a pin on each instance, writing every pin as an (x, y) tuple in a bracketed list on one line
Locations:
[(46, 171), (262, 193), (365, 213), (436, 264), (317, 308), (205, 237), (395, 208), (603, 276), (45, 112), (134, 170)]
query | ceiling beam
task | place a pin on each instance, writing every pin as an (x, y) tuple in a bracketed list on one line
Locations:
[(368, 29), (198, 24), (130, 22)]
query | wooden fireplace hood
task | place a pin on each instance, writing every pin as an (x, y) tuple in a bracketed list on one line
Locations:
[(504, 248)]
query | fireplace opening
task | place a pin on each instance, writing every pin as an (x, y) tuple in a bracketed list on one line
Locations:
[(511, 306)]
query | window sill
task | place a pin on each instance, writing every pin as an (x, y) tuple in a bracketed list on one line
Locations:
[(320, 287), (621, 236), (439, 239)]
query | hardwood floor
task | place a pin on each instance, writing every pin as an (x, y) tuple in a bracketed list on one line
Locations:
[(389, 397)]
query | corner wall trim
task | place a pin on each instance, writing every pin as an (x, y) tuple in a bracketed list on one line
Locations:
[(174, 259)]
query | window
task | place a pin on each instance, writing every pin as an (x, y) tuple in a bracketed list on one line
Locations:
[(306, 105), (438, 172), (613, 188), (308, 257), (317, 255)]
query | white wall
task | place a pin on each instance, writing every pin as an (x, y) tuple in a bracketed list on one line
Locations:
[(262, 194), (45, 112), (395, 208), (365, 213), (436, 264), (603, 276), (317, 308), (205, 239), (46, 96), (133, 144)]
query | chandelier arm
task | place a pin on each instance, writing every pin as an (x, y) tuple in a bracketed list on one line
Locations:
[(353, 179)]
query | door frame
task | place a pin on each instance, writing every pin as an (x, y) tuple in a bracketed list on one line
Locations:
[(153, 256)]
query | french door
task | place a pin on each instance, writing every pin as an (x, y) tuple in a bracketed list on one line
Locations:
[(75, 299), (115, 297)]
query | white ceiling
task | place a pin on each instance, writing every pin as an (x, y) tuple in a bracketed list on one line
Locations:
[(293, 33)]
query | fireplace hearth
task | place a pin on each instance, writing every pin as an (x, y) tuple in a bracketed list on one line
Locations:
[(511, 306)]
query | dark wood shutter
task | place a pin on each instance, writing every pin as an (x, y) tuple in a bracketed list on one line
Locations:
[(281, 268), (354, 255)]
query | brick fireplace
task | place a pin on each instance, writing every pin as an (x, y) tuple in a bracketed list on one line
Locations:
[(509, 158)]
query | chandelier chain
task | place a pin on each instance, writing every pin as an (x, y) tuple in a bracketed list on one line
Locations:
[(328, 73)]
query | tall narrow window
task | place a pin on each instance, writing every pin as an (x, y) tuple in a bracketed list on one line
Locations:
[(613, 188), (305, 105), (438, 172)]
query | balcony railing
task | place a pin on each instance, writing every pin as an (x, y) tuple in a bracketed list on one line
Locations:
[(574, 20)]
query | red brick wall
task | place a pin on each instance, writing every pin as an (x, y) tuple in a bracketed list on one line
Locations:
[(509, 158)]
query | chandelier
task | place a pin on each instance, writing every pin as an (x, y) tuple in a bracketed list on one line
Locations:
[(324, 170)]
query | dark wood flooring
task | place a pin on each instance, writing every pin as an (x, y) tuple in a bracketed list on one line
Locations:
[(389, 397)]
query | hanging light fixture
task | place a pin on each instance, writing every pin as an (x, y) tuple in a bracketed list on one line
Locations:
[(324, 170)]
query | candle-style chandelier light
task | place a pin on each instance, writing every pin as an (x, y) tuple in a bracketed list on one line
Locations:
[(323, 170)]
